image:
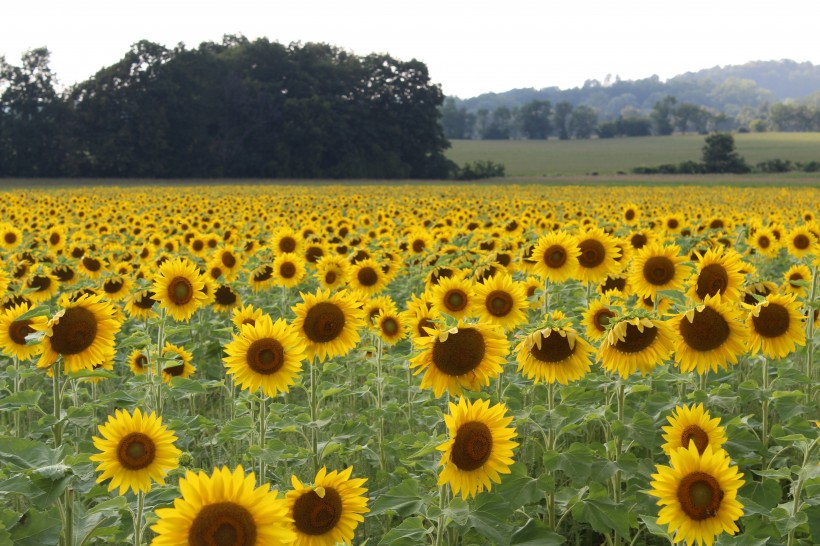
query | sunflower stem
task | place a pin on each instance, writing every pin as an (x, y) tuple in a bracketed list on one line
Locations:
[(545, 306), (441, 529), (138, 518), (68, 524), (314, 431), (157, 381), (379, 401), (57, 429), (703, 380), (550, 446), (765, 409), (810, 335), (618, 445), (17, 417), (263, 429)]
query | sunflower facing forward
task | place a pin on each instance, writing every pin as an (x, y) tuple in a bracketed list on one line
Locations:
[(657, 267), (224, 508), (328, 323), (267, 355), (466, 356), (13, 332), (698, 493), (327, 512), (480, 447), (717, 272), (500, 300), (134, 451), (178, 288), (693, 424), (776, 326), (555, 257)]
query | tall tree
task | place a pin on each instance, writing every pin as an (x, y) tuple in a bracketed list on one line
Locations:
[(583, 122), (534, 119), (663, 115), (563, 111)]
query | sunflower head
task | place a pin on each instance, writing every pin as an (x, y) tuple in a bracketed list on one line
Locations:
[(14, 329), (179, 288), (693, 424), (776, 326), (635, 342), (454, 297), (656, 267), (501, 301), (329, 324), (555, 257), (554, 354)]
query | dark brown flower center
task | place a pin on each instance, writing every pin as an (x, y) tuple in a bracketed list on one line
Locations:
[(659, 270), (180, 291), (592, 253), (228, 259), (613, 283), (225, 296), (54, 239), (555, 256), (145, 300), (10, 237), (713, 279), (313, 253), (472, 446), (460, 353), (287, 244), (141, 361), (324, 322), (112, 286), (772, 321), (499, 303), (699, 495), (136, 451), (440, 273), (763, 241), (75, 331), (629, 215), (455, 300), (672, 223), (707, 331), (554, 348), (367, 276), (198, 245), (315, 515), (638, 240), (801, 241), (92, 264), (422, 324), (287, 270), (177, 369), (18, 330), (330, 277), (695, 434), (636, 341), (795, 277), (263, 273), (266, 356), (64, 273), (601, 319), (223, 524), (390, 326), (418, 246)]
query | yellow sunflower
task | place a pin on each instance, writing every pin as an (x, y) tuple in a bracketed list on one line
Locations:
[(693, 424), (138, 362), (553, 354), (417, 320), (776, 326), (327, 512), (390, 327), (765, 243), (796, 274), (332, 272), (267, 355), (501, 301), (555, 257), (598, 257), (179, 288), (116, 288), (82, 333), (367, 278), (286, 241), (13, 332), (245, 315), (178, 362), (224, 508), (261, 277), (656, 267), (41, 286), (800, 242), (718, 271), (465, 356), (329, 324), (596, 317), (635, 343), (134, 451), (708, 336), (453, 297), (698, 493), (141, 304), (479, 448), (10, 236), (225, 298), (288, 270)]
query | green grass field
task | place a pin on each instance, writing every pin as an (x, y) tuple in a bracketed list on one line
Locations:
[(536, 158)]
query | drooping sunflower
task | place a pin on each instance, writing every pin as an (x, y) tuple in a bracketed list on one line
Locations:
[(138, 362), (708, 336), (141, 304), (555, 257), (82, 333), (329, 324), (657, 267), (500, 300), (13, 332), (693, 424), (598, 257), (92, 267), (776, 326), (41, 286), (328, 511), (479, 448), (226, 298), (288, 270), (134, 451), (179, 288), (453, 297), (261, 277), (635, 343), (177, 362), (800, 241), (698, 493), (224, 508), (465, 356), (553, 354), (796, 274), (718, 271), (266, 355), (116, 288)]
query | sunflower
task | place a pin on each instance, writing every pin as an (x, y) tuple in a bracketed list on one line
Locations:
[(261, 277), (465, 356), (224, 508), (717, 272), (92, 267), (698, 493), (418, 320), (13, 332), (177, 362), (10, 236), (776, 326), (286, 241), (630, 214), (225, 298), (672, 223), (480, 447), (380, 304), (708, 336), (693, 424), (65, 274), (596, 317), (328, 323), (453, 297), (117, 287), (635, 343), (178, 288), (367, 278), (140, 304), (267, 355), (419, 242), (390, 327), (245, 315), (138, 362), (765, 243), (638, 239), (82, 333), (56, 239), (229, 262), (134, 451), (555, 257), (327, 512), (501, 301), (656, 267), (598, 256), (41, 286), (288, 270), (795, 274), (758, 289), (800, 242), (553, 354), (332, 272)]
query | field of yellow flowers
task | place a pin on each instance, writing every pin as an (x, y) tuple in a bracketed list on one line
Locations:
[(409, 365)]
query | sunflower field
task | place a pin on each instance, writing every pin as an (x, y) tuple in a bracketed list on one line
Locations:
[(410, 365)]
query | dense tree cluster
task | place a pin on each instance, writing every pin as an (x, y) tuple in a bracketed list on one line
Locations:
[(238, 108)]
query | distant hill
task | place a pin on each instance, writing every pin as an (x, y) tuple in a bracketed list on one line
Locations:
[(727, 89)]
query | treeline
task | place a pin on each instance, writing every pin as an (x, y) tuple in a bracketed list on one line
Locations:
[(238, 108)]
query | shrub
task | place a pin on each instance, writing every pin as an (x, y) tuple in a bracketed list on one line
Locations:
[(478, 170), (775, 166)]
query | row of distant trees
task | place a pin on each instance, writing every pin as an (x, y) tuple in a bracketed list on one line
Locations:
[(238, 108), (540, 119)]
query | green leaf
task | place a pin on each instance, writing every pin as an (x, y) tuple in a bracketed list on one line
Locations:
[(22, 399), (35, 528), (535, 533), (101, 374), (766, 493), (458, 511), (39, 311), (405, 499), (785, 521), (28, 454), (813, 513), (601, 513), (410, 532), (652, 526), (183, 385)]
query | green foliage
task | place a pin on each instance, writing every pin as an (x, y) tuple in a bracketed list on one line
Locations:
[(719, 155), (478, 170)]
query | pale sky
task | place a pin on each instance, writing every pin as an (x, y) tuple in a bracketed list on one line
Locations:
[(470, 47)]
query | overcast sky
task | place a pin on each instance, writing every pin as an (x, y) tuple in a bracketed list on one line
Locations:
[(470, 47)]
